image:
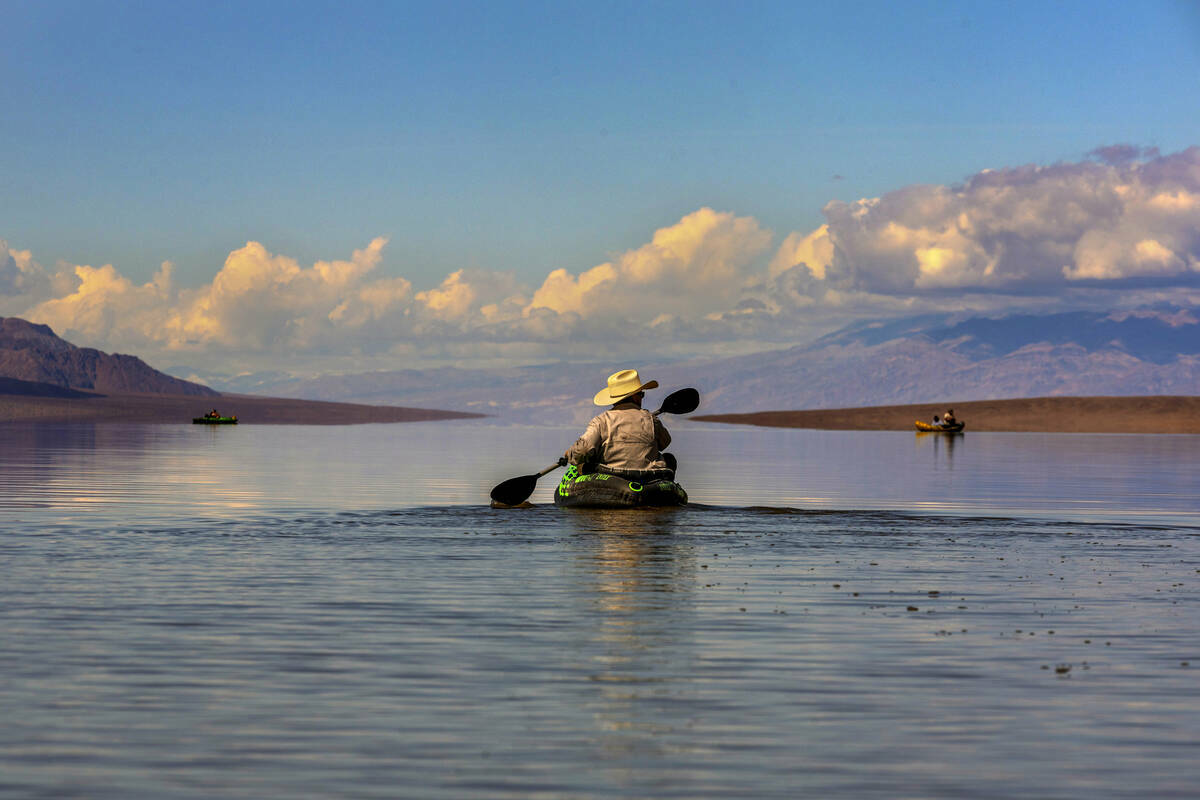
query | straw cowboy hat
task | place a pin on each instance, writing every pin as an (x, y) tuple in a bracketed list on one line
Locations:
[(621, 385)]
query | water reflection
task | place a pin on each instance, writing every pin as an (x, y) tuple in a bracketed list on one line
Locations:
[(635, 577), (941, 444), (694, 652), (44, 465), (119, 468), (631, 556), (161, 471)]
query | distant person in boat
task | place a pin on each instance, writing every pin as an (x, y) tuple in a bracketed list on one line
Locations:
[(949, 419), (937, 421), (625, 440), (214, 414)]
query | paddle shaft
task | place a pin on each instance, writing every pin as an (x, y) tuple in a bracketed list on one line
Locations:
[(548, 469)]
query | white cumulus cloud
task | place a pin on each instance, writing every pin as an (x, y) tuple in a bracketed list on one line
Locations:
[(1024, 229), (20, 275), (690, 268), (712, 281)]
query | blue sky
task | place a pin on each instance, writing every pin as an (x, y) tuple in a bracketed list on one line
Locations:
[(523, 138)]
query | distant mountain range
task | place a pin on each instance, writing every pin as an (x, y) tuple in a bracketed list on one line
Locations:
[(36, 362), (938, 359), (1155, 336), (932, 359)]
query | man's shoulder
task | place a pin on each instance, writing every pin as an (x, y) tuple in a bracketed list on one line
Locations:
[(626, 412)]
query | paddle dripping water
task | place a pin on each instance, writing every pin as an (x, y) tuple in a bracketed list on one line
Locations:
[(515, 491)]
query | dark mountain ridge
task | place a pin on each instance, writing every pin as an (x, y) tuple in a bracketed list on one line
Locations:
[(34, 353), (20, 388)]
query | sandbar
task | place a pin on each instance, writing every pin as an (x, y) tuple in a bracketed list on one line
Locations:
[(168, 409), (1156, 414)]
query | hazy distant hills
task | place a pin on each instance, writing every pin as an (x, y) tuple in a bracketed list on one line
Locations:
[(929, 359), (34, 360), (1156, 336), (550, 393), (936, 359)]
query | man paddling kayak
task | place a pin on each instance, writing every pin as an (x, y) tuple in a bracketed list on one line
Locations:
[(625, 440)]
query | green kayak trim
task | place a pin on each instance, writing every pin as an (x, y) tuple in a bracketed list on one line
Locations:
[(601, 490)]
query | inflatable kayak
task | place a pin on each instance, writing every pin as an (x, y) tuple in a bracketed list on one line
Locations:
[(925, 427), (207, 420), (601, 490)]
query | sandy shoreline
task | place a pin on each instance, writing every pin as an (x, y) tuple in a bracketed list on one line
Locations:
[(175, 409), (1175, 414)]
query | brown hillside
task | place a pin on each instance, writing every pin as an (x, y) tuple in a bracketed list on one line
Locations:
[(31, 352)]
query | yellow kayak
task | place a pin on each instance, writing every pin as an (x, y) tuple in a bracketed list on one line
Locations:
[(926, 427)]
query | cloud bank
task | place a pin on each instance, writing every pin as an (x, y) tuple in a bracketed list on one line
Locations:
[(1105, 231), (1026, 230)]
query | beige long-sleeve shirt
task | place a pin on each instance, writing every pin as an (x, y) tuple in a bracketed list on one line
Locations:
[(624, 437)]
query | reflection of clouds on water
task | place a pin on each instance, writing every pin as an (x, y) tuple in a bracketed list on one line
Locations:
[(635, 578), (49, 465), (120, 467)]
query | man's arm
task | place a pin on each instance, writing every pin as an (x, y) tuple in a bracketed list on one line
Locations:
[(662, 438), (587, 445)]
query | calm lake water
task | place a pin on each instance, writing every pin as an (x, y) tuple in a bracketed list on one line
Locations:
[(334, 612)]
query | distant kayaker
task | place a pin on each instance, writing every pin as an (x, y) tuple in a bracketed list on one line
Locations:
[(625, 440), (937, 421), (949, 419)]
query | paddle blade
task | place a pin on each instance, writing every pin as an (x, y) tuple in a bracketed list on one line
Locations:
[(514, 491), (684, 401)]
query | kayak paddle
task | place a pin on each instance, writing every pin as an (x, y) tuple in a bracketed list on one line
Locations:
[(515, 491)]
